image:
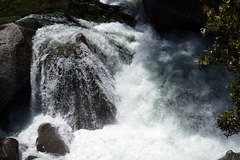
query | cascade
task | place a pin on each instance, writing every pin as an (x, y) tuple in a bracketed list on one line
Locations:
[(165, 107), (70, 80)]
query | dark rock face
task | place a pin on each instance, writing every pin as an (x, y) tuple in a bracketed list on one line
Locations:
[(31, 157), (49, 140), (91, 10), (18, 112), (230, 155), (174, 14), (4, 118), (9, 149), (15, 60), (76, 84)]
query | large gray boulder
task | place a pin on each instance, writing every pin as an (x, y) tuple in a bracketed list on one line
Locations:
[(230, 155), (165, 15), (15, 60), (49, 140), (71, 80), (9, 149)]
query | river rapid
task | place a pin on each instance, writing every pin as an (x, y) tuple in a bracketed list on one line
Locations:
[(166, 108)]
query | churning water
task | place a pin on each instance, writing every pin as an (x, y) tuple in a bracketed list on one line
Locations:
[(166, 108)]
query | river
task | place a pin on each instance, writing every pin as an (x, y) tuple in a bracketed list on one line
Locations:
[(166, 108)]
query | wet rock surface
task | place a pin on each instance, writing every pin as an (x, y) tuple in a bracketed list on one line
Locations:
[(31, 157), (91, 10), (15, 60), (83, 88), (9, 149), (49, 140), (230, 155)]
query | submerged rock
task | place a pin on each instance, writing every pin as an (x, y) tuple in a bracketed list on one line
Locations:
[(72, 81), (31, 157), (230, 155), (49, 140), (174, 14), (15, 60), (9, 149)]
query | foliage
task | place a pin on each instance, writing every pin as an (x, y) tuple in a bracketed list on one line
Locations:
[(223, 21)]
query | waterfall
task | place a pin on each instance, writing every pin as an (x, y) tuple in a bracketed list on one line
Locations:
[(165, 107), (70, 80)]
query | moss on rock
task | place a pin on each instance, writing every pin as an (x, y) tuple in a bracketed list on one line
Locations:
[(91, 10)]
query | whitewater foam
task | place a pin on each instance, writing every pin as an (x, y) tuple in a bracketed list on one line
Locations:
[(167, 108)]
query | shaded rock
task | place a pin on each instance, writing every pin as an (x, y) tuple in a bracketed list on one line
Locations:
[(71, 80), (2, 134), (230, 155), (30, 157), (91, 10), (9, 149), (50, 141), (18, 109), (4, 118), (15, 60), (166, 15), (35, 21)]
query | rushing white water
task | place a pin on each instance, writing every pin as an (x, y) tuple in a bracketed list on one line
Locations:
[(130, 3), (167, 108), (69, 79)]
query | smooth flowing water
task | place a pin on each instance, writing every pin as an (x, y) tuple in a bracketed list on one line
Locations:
[(166, 108)]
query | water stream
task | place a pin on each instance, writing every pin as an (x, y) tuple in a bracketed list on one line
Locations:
[(166, 108)]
